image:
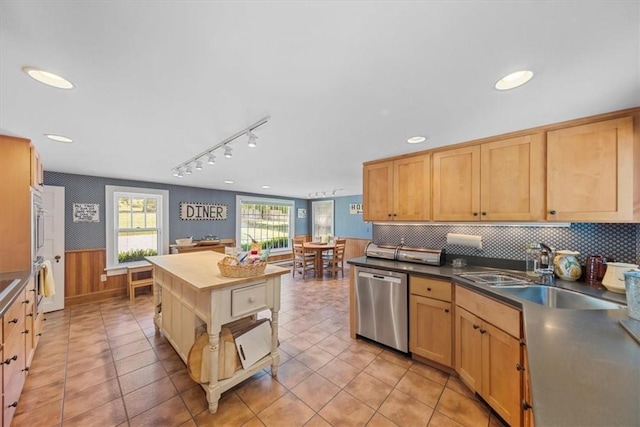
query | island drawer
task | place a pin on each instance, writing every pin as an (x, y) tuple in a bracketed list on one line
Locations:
[(249, 299)]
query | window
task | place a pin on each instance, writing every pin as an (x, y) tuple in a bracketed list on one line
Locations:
[(267, 221), (137, 224), (322, 217)]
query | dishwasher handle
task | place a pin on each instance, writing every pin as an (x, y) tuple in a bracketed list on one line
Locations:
[(379, 277)]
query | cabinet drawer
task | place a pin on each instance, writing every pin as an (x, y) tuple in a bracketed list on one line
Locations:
[(494, 312), (430, 288), (249, 299), (14, 316)]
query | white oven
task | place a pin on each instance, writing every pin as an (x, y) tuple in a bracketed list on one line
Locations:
[(37, 225)]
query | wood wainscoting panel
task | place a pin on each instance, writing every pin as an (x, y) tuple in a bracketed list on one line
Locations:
[(83, 269), (355, 247)]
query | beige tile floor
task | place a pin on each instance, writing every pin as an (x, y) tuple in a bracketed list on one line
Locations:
[(102, 364)]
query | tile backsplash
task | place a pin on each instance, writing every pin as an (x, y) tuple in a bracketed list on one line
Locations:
[(621, 241)]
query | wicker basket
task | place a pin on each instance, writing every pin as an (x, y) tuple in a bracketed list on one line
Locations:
[(241, 270)]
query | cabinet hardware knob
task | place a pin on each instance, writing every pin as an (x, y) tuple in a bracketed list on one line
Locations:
[(25, 369), (553, 212), (14, 320), (484, 213), (26, 331), (475, 326), (395, 214), (30, 315), (483, 331), (252, 299), (446, 310), (39, 335), (26, 301), (429, 289), (525, 405), (389, 215), (13, 405), (519, 367), (522, 342), (475, 214), (32, 290)]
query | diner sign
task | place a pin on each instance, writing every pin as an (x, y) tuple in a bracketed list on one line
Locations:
[(202, 211), (355, 208)]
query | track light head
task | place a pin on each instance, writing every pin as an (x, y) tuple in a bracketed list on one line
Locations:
[(199, 165), (252, 140), (228, 153), (211, 159), (175, 172), (189, 170), (180, 173)]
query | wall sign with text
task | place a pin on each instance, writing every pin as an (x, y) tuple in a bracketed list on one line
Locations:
[(355, 208), (202, 212), (86, 212)]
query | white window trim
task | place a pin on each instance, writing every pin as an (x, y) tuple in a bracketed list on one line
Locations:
[(313, 216), (113, 268), (265, 200)]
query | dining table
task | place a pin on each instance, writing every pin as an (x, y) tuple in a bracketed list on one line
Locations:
[(318, 249)]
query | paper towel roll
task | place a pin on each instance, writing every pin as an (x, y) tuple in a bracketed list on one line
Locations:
[(464, 240)]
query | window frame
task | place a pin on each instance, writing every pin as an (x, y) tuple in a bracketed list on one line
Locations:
[(111, 192), (313, 217), (266, 201)]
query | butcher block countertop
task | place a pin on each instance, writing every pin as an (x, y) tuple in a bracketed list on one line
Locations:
[(200, 270)]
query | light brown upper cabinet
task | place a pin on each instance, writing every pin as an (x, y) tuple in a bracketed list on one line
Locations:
[(590, 172), (397, 190), (37, 170), (501, 180)]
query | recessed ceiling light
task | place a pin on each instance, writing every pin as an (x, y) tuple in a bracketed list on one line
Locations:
[(513, 80), (58, 138), (416, 139), (48, 78), (228, 181), (266, 187)]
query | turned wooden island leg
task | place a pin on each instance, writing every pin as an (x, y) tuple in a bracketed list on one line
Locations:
[(213, 390), (274, 343)]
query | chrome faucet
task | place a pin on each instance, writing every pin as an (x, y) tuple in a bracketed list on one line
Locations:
[(545, 272)]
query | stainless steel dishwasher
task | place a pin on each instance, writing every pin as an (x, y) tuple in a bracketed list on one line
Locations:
[(382, 307)]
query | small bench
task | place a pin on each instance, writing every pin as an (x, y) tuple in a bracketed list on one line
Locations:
[(140, 275)]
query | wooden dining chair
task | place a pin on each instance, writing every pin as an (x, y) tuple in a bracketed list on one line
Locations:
[(302, 260), (336, 263)]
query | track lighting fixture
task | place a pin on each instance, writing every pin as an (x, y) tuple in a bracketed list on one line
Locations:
[(252, 139), (322, 194), (175, 172), (228, 153)]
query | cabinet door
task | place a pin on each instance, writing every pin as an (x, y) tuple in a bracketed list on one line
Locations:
[(377, 194), (456, 184), (512, 179), (37, 171), (468, 349), (500, 373), (411, 189), (430, 326), (590, 172), (527, 410)]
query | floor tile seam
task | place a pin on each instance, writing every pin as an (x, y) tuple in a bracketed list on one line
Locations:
[(64, 375), (281, 397), (94, 408)]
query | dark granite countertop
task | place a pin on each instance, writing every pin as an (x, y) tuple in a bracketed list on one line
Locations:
[(584, 368), (11, 284)]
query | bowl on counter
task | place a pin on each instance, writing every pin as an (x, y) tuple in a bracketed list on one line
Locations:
[(187, 241)]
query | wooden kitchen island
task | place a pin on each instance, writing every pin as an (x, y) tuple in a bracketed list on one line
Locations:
[(190, 293)]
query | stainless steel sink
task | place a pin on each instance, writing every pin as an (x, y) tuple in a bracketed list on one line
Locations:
[(495, 278), (553, 297)]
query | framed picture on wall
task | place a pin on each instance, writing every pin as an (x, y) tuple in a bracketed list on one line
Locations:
[(302, 213)]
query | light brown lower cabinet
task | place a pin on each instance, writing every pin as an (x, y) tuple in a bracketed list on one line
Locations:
[(487, 358), (431, 319), (527, 402), (21, 327)]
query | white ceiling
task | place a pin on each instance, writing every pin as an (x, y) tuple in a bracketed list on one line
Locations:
[(158, 82)]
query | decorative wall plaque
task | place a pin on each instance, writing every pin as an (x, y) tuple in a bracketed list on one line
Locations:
[(86, 212), (202, 212)]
